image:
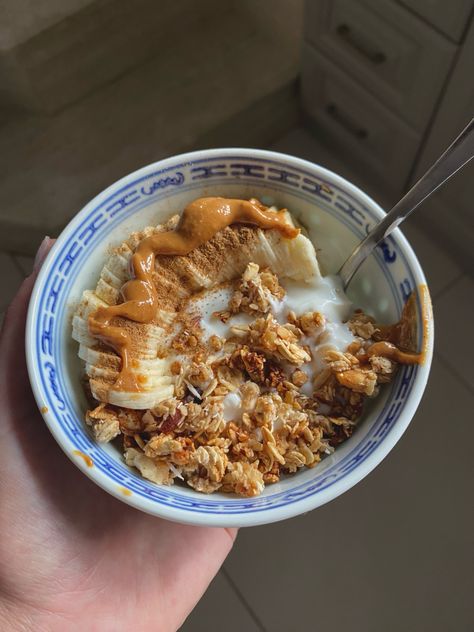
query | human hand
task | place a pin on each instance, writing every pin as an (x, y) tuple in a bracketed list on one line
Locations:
[(71, 556)]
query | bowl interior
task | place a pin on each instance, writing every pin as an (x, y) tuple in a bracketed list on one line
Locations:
[(336, 216)]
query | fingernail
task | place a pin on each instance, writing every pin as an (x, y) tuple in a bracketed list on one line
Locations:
[(41, 254)]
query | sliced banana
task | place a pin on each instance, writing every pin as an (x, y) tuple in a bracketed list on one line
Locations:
[(178, 277)]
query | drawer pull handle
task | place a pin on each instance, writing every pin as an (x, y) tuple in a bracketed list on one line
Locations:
[(346, 122), (346, 33)]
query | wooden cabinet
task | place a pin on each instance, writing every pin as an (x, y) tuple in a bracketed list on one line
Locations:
[(451, 213), (389, 84), (450, 18), (401, 61), (364, 129)]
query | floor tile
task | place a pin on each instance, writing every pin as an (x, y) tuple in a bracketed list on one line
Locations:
[(220, 609), (10, 280), (24, 263), (454, 330), (392, 553), (54, 165), (439, 268)]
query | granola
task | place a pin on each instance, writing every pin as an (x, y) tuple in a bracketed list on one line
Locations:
[(254, 405), (218, 357)]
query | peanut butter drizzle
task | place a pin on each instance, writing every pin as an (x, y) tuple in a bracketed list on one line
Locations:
[(396, 333), (390, 351), (200, 221)]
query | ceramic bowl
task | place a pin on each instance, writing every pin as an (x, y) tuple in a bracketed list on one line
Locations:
[(336, 214)]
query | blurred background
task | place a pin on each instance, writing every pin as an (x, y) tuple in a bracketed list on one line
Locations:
[(373, 89)]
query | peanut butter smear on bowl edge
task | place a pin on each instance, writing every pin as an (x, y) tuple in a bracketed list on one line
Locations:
[(402, 334), (200, 221), (85, 457)]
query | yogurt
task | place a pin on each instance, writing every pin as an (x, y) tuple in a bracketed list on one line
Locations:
[(326, 296), (217, 300), (232, 406), (322, 294)]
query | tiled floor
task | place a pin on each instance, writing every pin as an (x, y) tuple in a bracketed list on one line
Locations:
[(393, 553), (50, 166)]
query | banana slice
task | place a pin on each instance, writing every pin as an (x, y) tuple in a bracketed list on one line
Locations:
[(221, 259)]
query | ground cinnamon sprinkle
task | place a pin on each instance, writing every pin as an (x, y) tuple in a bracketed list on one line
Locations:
[(175, 283), (175, 277)]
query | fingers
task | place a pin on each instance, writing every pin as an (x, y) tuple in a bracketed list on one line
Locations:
[(42, 253)]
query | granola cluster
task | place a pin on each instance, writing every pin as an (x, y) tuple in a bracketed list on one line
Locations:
[(247, 409), (254, 294)]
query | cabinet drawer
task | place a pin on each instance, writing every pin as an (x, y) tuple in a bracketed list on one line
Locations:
[(386, 49), (368, 134), (451, 18), (454, 113)]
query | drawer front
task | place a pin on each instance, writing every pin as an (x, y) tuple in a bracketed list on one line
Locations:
[(386, 49), (458, 196), (369, 135), (450, 18), (454, 113)]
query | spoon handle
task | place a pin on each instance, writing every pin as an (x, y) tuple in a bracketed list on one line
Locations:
[(456, 156)]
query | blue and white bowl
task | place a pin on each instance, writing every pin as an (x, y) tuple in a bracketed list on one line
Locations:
[(337, 215)]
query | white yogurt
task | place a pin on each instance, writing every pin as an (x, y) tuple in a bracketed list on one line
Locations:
[(232, 407), (321, 294), (217, 300), (326, 296)]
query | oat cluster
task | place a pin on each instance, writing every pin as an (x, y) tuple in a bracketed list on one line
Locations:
[(245, 412)]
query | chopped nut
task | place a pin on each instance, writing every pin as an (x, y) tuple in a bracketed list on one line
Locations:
[(338, 361), (254, 364), (250, 392), (243, 479), (362, 325), (311, 322), (207, 417), (216, 343), (278, 340), (266, 408), (170, 423), (104, 423), (175, 367), (154, 470), (270, 446), (162, 445), (359, 380), (275, 377), (206, 468), (198, 374), (381, 365), (255, 291), (222, 316), (299, 377), (230, 377)]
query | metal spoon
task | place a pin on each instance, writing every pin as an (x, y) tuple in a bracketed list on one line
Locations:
[(456, 156)]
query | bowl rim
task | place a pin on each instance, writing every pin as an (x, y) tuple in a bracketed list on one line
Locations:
[(271, 514)]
